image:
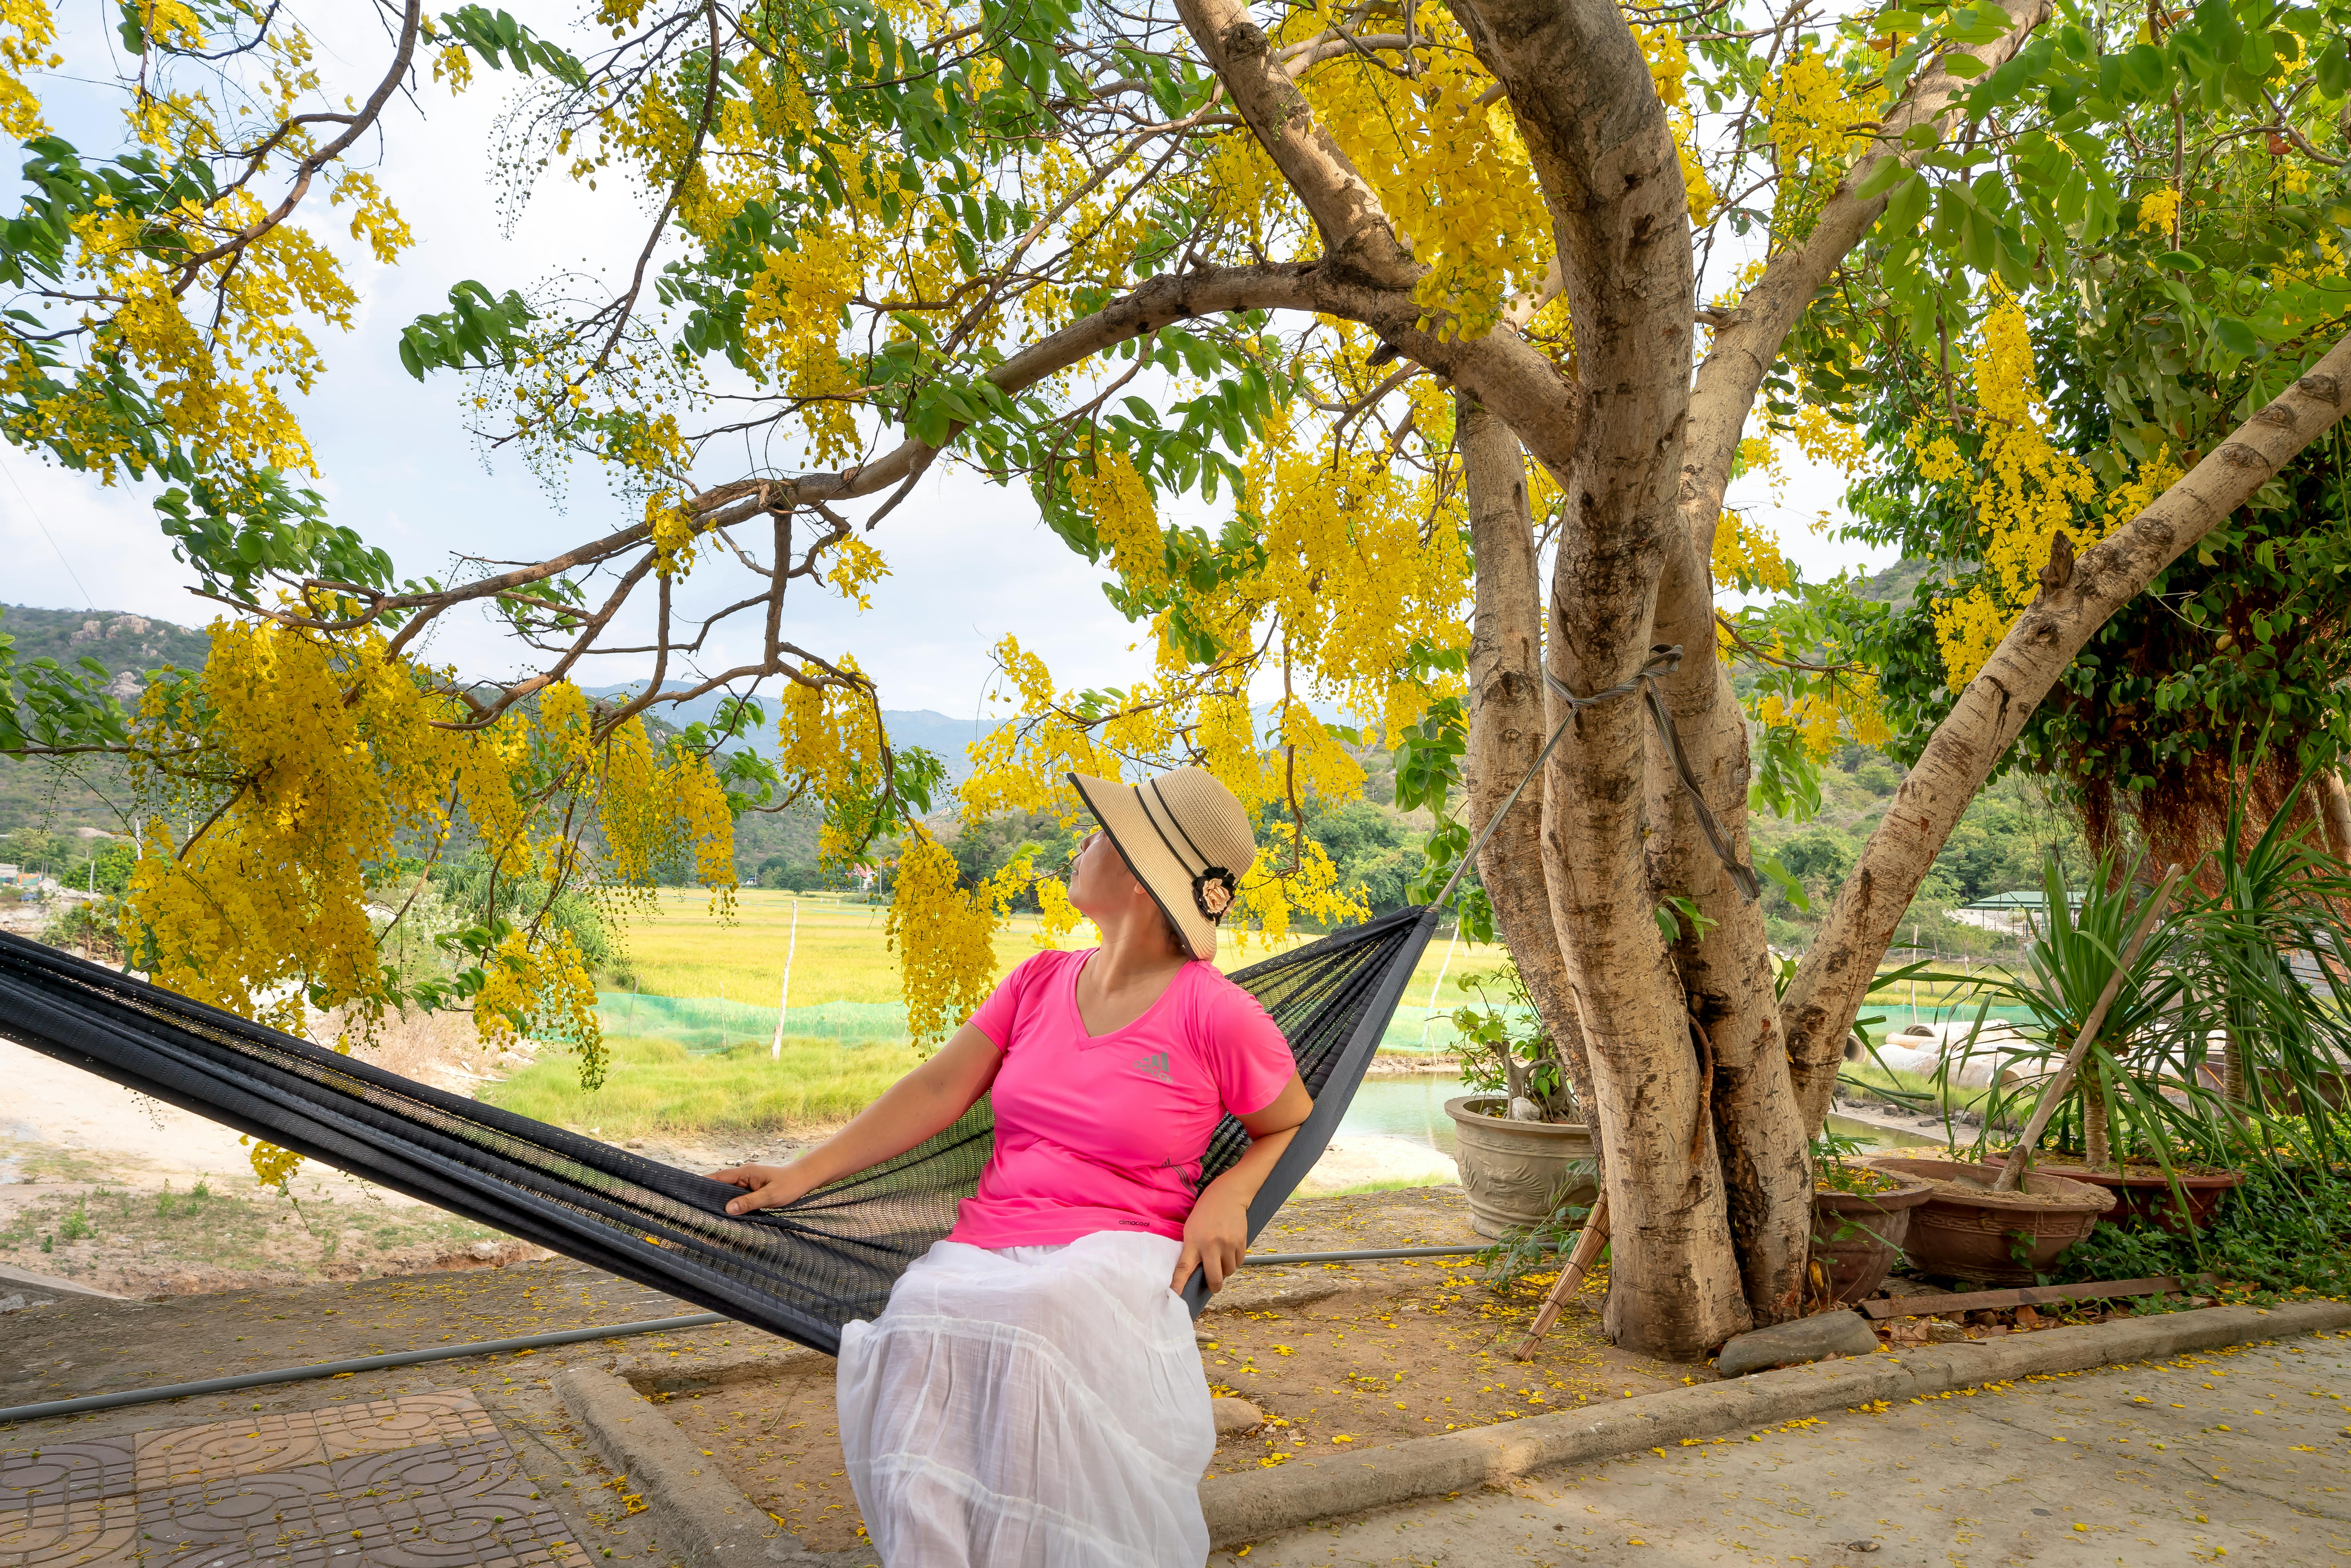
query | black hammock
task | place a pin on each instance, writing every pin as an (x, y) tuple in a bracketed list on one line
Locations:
[(800, 1271)]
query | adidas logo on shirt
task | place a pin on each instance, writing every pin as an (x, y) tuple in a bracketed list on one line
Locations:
[(1155, 1066)]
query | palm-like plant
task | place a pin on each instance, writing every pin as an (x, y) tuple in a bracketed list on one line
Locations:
[(2267, 967), (2229, 1036)]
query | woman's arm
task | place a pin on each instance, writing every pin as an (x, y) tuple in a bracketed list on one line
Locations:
[(1216, 1234), (926, 1101)]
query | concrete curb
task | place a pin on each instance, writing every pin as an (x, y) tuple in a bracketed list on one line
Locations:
[(699, 1514), (1249, 1507)]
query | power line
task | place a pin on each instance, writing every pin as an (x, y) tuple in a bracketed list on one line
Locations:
[(34, 513)]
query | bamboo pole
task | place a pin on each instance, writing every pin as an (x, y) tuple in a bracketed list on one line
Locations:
[(784, 992), (2013, 1172), (1570, 1278)]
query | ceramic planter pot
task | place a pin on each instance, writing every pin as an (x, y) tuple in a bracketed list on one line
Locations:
[(2145, 1197), (1857, 1236), (1512, 1169), (1967, 1231)]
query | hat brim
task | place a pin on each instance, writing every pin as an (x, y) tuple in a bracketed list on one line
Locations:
[(1118, 808)]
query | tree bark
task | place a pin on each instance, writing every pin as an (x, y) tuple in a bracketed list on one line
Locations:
[(1508, 727), (1726, 968), (1835, 975)]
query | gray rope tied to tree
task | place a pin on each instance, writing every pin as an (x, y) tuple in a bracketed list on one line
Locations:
[(1663, 660)]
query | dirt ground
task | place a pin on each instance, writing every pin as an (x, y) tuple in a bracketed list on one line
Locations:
[(111, 1190), (1402, 1350)]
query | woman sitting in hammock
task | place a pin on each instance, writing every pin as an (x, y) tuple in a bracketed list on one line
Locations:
[(1033, 1394)]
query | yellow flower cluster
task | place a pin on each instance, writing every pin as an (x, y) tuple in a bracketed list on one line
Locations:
[(2158, 211), (943, 934), (1451, 173), (286, 778), (1748, 555), (2023, 491), (1811, 109), (1669, 60), (1829, 711), (1108, 490), (27, 30)]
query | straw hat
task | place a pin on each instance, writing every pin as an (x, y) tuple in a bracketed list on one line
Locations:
[(1185, 839)]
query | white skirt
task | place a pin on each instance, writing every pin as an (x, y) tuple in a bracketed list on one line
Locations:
[(1038, 1405)]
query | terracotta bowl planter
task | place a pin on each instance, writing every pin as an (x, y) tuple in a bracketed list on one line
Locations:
[(1966, 1230), (2142, 1196), (1510, 1169), (1857, 1236)]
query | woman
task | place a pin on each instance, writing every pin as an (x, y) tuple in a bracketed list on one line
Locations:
[(1032, 1394)]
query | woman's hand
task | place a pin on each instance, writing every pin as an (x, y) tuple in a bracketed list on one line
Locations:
[(1215, 1237), (770, 1186)]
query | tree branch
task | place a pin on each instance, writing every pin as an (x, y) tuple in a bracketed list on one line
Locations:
[(1829, 986)]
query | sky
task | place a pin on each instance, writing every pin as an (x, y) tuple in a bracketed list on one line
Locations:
[(970, 562)]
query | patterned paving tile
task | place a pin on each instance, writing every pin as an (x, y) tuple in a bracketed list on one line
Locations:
[(95, 1533), (423, 1481), (309, 1436), (65, 1472)]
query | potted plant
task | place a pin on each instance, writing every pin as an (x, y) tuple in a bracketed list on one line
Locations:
[(1861, 1217), (1964, 1230), (1520, 1148)]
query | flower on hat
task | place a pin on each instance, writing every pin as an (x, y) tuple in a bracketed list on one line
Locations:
[(1213, 890)]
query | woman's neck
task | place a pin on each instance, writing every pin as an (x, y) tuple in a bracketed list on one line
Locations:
[(1135, 948)]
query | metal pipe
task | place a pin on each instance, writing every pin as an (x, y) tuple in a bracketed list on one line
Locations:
[(1363, 1254), (336, 1368), (540, 1340)]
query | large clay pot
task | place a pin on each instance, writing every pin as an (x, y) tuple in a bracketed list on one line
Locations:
[(1512, 1169), (1967, 1231), (1857, 1236), (2143, 1196)]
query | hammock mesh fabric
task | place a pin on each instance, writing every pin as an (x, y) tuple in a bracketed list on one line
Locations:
[(800, 1271)]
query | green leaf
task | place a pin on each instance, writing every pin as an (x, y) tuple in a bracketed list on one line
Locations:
[(2236, 337), (1906, 206), (2180, 259), (2145, 71), (1770, 866), (1964, 66), (1881, 179)]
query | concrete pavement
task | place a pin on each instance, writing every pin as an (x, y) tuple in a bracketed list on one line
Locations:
[(2241, 1456)]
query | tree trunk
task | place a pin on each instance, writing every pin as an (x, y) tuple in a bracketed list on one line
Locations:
[(2092, 1082), (2335, 814), (1726, 970), (1507, 729), (1600, 145)]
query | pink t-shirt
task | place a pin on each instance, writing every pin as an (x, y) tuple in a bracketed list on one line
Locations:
[(1106, 1132)]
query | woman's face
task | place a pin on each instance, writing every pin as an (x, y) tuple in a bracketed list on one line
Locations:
[(1098, 877)]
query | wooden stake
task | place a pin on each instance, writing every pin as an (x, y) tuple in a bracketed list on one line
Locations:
[(2013, 1172), (1570, 1278)]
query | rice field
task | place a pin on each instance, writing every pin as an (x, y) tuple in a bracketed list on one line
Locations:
[(677, 949), (688, 1007)]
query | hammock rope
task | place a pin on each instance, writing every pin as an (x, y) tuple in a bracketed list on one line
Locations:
[(800, 1271)]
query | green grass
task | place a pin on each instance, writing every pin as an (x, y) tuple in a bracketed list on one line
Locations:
[(656, 1087), (1384, 1184)]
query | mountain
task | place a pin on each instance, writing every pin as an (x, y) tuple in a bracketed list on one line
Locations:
[(126, 645), (944, 737)]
